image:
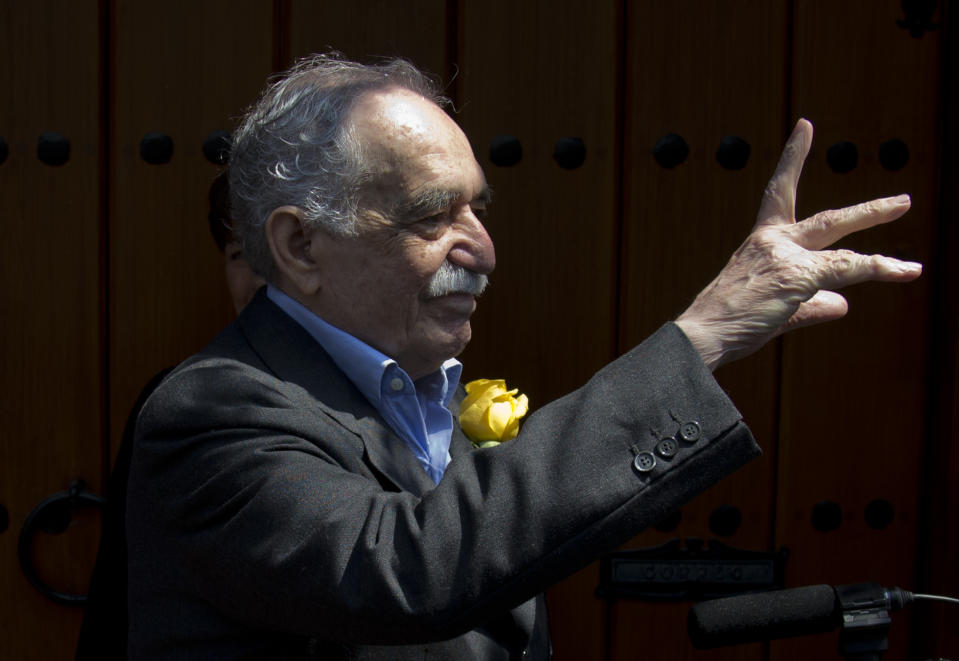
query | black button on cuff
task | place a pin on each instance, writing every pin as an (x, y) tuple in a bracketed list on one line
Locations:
[(644, 462), (667, 448), (690, 431)]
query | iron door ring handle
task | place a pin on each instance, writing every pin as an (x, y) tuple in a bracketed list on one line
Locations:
[(53, 514)]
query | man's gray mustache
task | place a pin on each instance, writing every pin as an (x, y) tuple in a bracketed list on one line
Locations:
[(453, 279)]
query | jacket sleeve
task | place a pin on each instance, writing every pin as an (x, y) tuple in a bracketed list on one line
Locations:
[(246, 495)]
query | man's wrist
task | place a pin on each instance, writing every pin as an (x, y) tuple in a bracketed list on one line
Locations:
[(702, 340)]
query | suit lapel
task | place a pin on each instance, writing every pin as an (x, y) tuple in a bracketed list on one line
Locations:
[(292, 354), (393, 457), (459, 443)]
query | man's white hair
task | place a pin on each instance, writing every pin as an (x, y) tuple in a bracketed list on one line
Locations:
[(295, 146)]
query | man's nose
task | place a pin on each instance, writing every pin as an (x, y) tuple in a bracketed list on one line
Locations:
[(474, 248)]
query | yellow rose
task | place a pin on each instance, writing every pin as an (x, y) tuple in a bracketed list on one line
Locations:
[(490, 413)]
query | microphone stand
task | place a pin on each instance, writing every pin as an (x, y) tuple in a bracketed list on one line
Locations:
[(865, 620)]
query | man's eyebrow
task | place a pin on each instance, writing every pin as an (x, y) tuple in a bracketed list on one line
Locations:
[(434, 200), (427, 202), (485, 196)]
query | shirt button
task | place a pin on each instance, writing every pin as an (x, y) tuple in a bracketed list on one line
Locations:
[(667, 447), (396, 384), (690, 431), (644, 462)]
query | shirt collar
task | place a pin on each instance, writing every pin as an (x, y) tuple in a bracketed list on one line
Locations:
[(366, 367)]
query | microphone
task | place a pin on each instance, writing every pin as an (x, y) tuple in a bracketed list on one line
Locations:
[(756, 617)]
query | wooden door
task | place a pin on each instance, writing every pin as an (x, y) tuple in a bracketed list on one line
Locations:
[(110, 273), (52, 307), (854, 409), (937, 570)]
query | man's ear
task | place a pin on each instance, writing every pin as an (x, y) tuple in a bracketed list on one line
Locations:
[(291, 246)]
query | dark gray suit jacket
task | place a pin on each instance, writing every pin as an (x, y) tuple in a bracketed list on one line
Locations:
[(272, 514)]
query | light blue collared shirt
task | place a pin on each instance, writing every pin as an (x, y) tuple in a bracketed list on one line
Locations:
[(417, 412)]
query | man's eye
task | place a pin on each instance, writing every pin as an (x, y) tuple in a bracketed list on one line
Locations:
[(434, 221)]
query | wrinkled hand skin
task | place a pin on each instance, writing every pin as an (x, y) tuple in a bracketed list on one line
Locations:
[(782, 277)]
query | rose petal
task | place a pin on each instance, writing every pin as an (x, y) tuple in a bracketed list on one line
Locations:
[(522, 406), (500, 415)]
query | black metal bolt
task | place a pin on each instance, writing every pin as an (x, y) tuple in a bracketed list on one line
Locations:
[(842, 157), (505, 151), (670, 150), (733, 152), (879, 513), (53, 148), (893, 154), (826, 516), (918, 17), (216, 147), (569, 153), (725, 520), (156, 148)]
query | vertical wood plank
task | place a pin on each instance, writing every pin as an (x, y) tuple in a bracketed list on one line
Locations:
[(935, 635), (702, 72), (184, 69), (854, 401), (50, 303), (542, 71)]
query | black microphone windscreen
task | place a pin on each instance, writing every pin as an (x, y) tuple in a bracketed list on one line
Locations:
[(751, 618)]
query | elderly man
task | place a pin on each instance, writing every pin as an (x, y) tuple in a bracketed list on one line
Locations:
[(300, 488)]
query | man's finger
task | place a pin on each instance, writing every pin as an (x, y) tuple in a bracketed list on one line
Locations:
[(778, 205), (823, 306), (827, 227), (840, 268)]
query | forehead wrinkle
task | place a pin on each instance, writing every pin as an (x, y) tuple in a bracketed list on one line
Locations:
[(409, 142), (407, 118)]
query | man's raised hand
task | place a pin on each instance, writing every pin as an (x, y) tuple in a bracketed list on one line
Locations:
[(782, 277)]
